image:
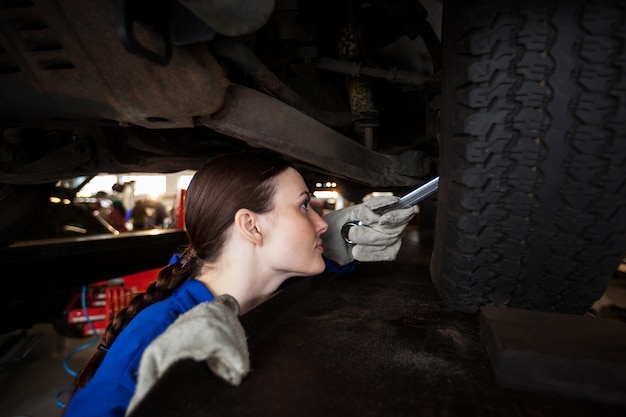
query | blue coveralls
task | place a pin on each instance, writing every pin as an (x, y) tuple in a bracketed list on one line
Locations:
[(109, 392)]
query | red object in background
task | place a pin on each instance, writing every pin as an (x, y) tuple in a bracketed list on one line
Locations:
[(104, 300)]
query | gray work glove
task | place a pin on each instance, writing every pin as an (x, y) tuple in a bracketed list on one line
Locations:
[(208, 332), (378, 240)]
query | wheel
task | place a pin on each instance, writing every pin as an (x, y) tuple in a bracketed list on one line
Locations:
[(532, 197)]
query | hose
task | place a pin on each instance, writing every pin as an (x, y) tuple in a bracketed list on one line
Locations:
[(87, 345)]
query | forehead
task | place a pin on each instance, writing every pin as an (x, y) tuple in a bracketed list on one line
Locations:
[(290, 184)]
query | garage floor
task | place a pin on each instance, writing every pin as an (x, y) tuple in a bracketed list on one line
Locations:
[(31, 387)]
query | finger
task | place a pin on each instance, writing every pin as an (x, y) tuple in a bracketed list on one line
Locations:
[(365, 215), (376, 254), (397, 217), (367, 236), (393, 230), (380, 201)]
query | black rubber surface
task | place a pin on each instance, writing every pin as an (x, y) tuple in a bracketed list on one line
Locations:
[(376, 342), (532, 197)]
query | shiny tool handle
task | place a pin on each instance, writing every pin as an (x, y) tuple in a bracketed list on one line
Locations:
[(419, 194)]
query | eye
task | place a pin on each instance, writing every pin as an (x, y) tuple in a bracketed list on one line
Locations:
[(305, 204)]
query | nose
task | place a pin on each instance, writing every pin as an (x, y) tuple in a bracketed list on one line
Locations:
[(319, 223)]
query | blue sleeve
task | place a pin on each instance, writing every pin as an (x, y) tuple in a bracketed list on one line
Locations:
[(335, 268), (112, 401)]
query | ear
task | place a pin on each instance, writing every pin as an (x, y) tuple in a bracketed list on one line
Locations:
[(247, 223)]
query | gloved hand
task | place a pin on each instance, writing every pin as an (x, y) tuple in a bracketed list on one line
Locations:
[(208, 332), (378, 240)]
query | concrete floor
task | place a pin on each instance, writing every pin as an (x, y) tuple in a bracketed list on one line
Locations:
[(31, 387)]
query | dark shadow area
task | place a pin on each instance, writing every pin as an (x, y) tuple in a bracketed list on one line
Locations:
[(374, 342)]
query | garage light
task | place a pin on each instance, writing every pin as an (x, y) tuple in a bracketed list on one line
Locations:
[(327, 184), (325, 194)]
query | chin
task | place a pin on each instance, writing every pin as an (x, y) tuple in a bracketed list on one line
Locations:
[(321, 268), (314, 268)]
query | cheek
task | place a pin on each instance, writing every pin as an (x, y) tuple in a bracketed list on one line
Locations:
[(294, 234), (285, 238), (299, 239), (297, 226)]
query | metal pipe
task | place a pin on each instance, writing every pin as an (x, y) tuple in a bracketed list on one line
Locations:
[(261, 120), (357, 69)]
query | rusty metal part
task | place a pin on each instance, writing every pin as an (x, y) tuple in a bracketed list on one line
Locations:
[(359, 89), (392, 75), (261, 120), (137, 17), (232, 18), (63, 61), (244, 58)]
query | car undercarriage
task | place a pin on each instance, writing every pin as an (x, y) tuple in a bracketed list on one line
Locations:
[(517, 105)]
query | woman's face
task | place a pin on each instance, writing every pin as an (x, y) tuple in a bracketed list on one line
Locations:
[(291, 238)]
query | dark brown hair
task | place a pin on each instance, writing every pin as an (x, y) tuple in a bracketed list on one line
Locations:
[(220, 188)]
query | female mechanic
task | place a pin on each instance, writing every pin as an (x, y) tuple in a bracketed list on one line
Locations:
[(250, 227)]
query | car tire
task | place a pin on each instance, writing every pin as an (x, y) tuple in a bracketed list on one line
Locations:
[(532, 196)]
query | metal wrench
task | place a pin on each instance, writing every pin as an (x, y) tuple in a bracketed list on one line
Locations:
[(409, 200)]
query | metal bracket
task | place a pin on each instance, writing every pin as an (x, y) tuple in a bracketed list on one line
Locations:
[(152, 15)]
